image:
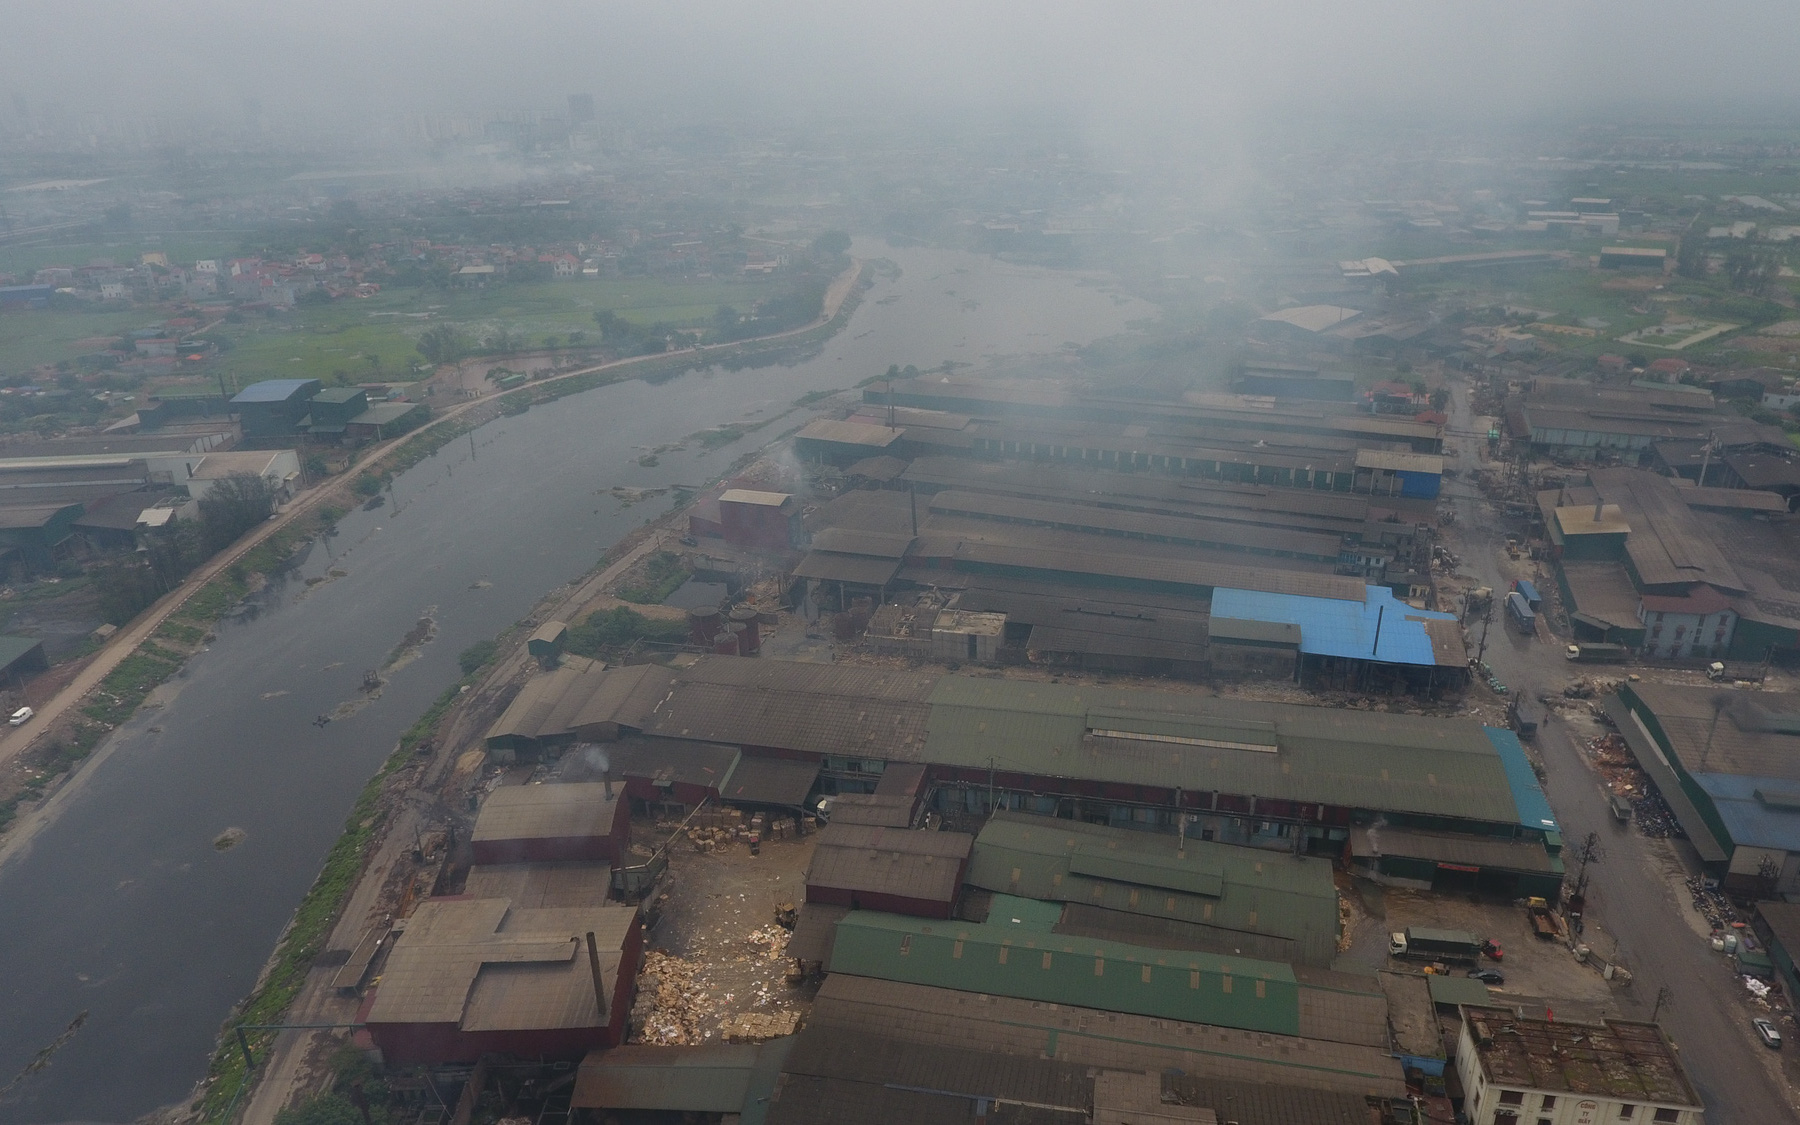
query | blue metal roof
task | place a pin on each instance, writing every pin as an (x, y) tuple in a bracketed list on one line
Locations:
[(1333, 627), (272, 390), (1528, 795), (1748, 819)]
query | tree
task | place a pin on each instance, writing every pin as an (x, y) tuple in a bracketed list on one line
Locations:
[(832, 244), (503, 342), (233, 506), (1749, 271), (1690, 258), (442, 343)]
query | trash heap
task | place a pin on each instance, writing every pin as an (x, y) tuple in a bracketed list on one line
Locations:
[(674, 1006)]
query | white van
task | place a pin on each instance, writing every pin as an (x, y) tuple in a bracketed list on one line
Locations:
[(1397, 945), (21, 716)]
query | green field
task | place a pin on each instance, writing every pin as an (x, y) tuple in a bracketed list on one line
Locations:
[(321, 341)]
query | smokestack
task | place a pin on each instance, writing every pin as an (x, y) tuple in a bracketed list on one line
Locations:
[(1599, 502), (913, 498), (599, 981), (607, 778)]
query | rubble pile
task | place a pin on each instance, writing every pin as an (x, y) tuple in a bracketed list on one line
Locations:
[(754, 1027), (675, 1007)]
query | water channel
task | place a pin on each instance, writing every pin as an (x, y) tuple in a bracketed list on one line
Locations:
[(121, 905)]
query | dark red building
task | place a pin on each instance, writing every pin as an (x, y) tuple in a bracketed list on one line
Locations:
[(559, 821), (898, 870), (472, 977), (769, 520)]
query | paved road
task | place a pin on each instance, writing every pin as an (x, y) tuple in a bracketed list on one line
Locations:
[(1635, 893)]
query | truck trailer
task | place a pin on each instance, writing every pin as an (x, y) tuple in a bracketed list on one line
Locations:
[(1425, 944), (1521, 613), (1597, 653)]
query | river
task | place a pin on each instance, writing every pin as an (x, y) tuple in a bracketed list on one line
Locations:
[(121, 905)]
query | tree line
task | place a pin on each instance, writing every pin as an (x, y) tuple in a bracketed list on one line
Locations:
[(233, 506)]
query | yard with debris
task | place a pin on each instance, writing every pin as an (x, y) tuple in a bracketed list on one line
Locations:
[(716, 963)]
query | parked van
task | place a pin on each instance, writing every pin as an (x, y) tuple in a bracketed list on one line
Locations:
[(21, 716)]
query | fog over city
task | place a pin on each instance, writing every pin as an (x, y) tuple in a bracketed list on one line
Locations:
[(342, 64)]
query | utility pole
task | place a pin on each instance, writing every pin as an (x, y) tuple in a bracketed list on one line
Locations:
[(1486, 621), (1663, 996)]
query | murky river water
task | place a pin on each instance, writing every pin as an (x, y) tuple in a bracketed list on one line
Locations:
[(122, 906)]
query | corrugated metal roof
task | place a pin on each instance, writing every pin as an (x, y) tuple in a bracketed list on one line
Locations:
[(752, 496), (1204, 882), (1082, 517), (1445, 847), (858, 570), (489, 966), (1358, 759), (1667, 545), (815, 928), (848, 433), (1239, 629), (272, 390), (815, 708), (894, 861), (1651, 756), (709, 1078), (1428, 463), (557, 811), (771, 781), (534, 885), (849, 541), (1114, 1039), (1172, 984), (1379, 627), (1083, 920), (1457, 991), (663, 761), (1528, 795)]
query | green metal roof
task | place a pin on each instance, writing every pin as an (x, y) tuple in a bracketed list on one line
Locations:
[(1457, 990), (1211, 884), (13, 648), (1183, 740), (1003, 960)]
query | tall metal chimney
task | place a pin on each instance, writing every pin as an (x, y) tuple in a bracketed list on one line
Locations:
[(599, 981), (1599, 503), (607, 778)]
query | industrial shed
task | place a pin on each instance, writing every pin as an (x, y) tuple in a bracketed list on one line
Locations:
[(666, 772), (1023, 1030), (1224, 895), (710, 1078), (1004, 960), (474, 977), (899, 870), (541, 823)]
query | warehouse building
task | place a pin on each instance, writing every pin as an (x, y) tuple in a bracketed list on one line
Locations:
[(1000, 959), (548, 822), (476, 977), (897, 870), (1639, 565), (1207, 895), (1515, 1068), (275, 407), (1728, 764), (1017, 1031), (1279, 776)]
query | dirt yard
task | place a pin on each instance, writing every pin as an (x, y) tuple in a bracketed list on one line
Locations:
[(716, 962)]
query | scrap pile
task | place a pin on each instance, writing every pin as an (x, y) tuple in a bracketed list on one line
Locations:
[(1712, 904), (1654, 817), (681, 1003), (674, 1006)]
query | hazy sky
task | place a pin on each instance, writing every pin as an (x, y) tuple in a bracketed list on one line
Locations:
[(329, 58)]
